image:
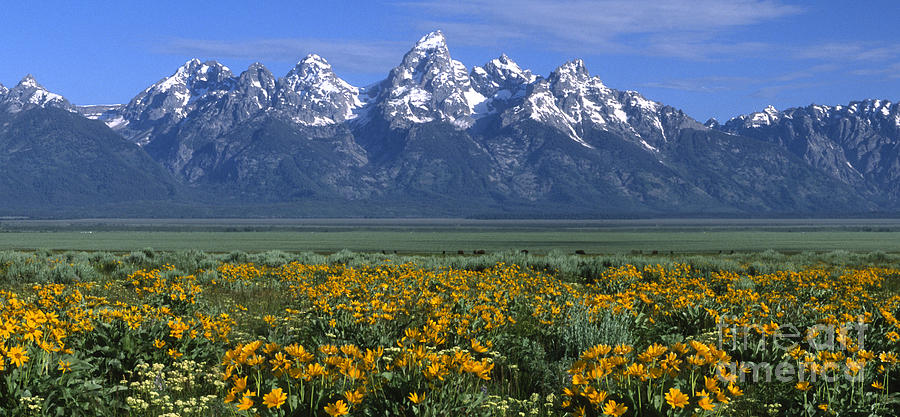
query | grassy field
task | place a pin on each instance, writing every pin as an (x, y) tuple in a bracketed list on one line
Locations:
[(274, 318), (451, 235), (275, 334)]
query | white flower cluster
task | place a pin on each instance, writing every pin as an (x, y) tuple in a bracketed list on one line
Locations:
[(169, 390), (531, 407), (33, 404)]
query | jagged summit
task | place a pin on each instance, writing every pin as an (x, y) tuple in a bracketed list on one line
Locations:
[(575, 68), (428, 85), (767, 117), (509, 68), (309, 58), (28, 94), (28, 81), (501, 78), (195, 75), (581, 106), (174, 95), (257, 74), (312, 94), (434, 41), (877, 111), (856, 142), (310, 69), (875, 106), (874, 109), (429, 51), (255, 88), (170, 100), (435, 133), (574, 74), (314, 63)]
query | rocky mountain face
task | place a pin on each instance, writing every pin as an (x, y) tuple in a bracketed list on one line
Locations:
[(580, 105), (29, 94), (56, 162), (857, 144), (427, 86), (435, 138), (312, 95)]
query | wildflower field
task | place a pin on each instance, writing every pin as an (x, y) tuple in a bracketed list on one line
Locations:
[(274, 334)]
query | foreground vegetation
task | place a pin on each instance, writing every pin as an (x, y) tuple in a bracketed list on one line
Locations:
[(510, 334)]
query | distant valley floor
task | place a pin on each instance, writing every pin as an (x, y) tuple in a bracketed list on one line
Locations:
[(437, 236)]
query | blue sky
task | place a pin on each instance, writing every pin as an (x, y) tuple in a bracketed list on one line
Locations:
[(709, 58)]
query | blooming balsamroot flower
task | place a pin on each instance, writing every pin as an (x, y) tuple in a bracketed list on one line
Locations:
[(338, 408), (676, 398), (275, 398)]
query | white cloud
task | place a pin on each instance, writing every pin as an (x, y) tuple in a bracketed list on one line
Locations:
[(850, 51), (345, 55), (891, 71), (808, 72), (680, 28), (710, 84), (771, 92)]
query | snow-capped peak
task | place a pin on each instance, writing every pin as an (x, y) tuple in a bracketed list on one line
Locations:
[(870, 110), (28, 93), (29, 82), (578, 104), (574, 68), (430, 49), (501, 79), (429, 85), (252, 93), (767, 117), (583, 96), (176, 95), (505, 69), (195, 72), (311, 69), (314, 61), (433, 41), (506, 63), (179, 77), (311, 94), (509, 69), (257, 76), (876, 107)]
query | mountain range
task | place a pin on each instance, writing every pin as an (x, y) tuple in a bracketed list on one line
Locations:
[(434, 138)]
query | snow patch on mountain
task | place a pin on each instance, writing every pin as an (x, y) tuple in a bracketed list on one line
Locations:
[(311, 94), (175, 96), (29, 94), (867, 110), (576, 103), (429, 85)]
